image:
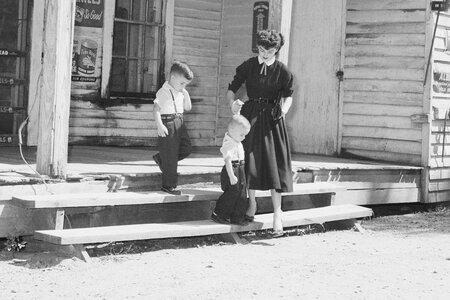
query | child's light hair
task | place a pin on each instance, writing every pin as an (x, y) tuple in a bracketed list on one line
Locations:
[(183, 69), (239, 121)]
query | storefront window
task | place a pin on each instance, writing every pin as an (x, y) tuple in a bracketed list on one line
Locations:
[(136, 62)]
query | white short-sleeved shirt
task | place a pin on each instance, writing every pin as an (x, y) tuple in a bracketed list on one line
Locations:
[(165, 102), (232, 149)]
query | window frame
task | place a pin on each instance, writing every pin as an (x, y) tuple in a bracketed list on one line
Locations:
[(160, 58)]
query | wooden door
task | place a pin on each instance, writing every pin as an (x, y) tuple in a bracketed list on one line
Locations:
[(13, 57), (314, 58)]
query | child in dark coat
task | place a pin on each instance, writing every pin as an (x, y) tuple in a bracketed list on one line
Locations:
[(232, 204)]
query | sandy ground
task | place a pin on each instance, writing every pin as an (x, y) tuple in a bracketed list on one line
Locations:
[(398, 257)]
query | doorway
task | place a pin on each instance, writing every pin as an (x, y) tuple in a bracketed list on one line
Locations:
[(315, 56), (14, 24)]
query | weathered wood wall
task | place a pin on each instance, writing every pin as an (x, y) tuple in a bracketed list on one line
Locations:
[(384, 73), (235, 48), (439, 174), (195, 40)]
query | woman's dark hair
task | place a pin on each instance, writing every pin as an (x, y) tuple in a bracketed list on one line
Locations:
[(183, 69), (270, 39)]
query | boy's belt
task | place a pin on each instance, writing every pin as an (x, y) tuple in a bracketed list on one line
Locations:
[(168, 117), (238, 163)]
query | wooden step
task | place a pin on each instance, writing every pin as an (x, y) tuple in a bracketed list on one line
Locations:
[(197, 228), (132, 198)]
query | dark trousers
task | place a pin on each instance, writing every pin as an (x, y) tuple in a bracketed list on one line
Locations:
[(233, 202), (173, 147)]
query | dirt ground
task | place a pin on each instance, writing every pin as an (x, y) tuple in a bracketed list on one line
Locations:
[(398, 257)]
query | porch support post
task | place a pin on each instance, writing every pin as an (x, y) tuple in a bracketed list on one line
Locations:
[(285, 29), (54, 89)]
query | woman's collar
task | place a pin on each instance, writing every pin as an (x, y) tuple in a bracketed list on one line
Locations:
[(268, 62)]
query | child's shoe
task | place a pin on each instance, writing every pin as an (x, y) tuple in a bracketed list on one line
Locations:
[(171, 190), (218, 219), (240, 222)]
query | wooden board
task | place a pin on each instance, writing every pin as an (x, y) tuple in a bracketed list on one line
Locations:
[(380, 196), (197, 228), (315, 56), (386, 4), (113, 199)]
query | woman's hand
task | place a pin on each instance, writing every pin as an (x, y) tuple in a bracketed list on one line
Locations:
[(285, 105), (236, 106)]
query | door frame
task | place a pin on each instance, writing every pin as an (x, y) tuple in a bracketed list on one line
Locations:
[(341, 85)]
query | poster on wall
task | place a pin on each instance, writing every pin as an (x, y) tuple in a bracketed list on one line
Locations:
[(87, 48), (441, 83), (260, 20)]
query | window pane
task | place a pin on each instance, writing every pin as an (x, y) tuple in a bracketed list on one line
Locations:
[(150, 83), (120, 39), (8, 65), (151, 42), (133, 76), (134, 43), (5, 95), (6, 123), (123, 9), (139, 10), (9, 14), (154, 11), (118, 75)]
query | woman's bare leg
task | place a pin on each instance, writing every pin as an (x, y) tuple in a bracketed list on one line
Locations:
[(251, 211), (277, 212)]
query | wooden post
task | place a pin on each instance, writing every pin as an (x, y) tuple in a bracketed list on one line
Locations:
[(285, 29), (54, 89)]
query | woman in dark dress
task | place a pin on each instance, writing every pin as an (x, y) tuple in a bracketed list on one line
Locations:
[(267, 154)]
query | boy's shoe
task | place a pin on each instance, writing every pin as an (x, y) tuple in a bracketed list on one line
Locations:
[(157, 160), (218, 219), (171, 190)]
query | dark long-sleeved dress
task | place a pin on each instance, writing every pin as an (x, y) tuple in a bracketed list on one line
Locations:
[(267, 153)]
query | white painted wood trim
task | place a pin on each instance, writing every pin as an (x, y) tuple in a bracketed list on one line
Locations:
[(37, 28), (285, 29), (341, 84), (108, 27), (169, 11)]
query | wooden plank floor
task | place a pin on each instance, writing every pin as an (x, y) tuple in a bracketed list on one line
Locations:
[(131, 198), (197, 228), (90, 160)]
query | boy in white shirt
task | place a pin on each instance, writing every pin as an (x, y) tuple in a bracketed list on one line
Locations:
[(232, 204), (174, 144)]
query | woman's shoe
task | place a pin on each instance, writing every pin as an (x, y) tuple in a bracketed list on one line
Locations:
[(278, 234), (249, 219)]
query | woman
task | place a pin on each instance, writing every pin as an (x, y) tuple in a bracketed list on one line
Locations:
[(267, 155)]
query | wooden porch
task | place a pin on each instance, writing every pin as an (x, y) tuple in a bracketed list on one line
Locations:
[(90, 167), (324, 186)]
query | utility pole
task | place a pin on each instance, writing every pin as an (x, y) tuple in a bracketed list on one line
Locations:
[(54, 89)]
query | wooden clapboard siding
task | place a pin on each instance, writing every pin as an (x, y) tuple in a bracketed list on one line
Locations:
[(439, 151), (236, 44), (383, 79), (196, 40)]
